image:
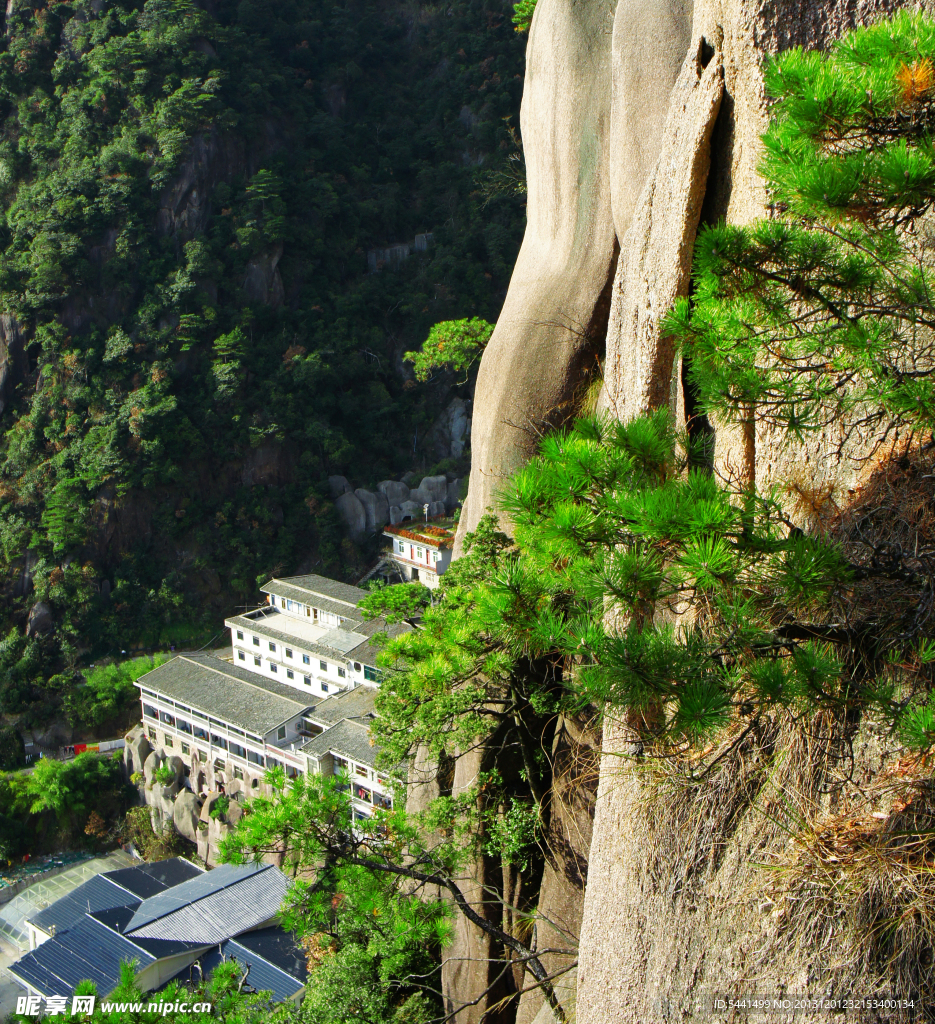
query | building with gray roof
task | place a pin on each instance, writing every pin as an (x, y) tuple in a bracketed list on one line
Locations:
[(167, 932)]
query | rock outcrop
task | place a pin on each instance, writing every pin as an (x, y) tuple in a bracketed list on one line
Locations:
[(552, 325), (634, 142)]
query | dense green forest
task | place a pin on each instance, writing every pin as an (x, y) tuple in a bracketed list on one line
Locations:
[(190, 340)]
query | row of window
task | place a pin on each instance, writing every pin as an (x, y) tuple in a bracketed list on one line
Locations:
[(196, 713), (289, 673), (306, 659), (234, 748), (419, 552), (315, 614)]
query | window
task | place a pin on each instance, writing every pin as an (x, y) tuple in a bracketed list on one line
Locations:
[(272, 668), (288, 652), (356, 666), (418, 552), (237, 749), (308, 611), (152, 734), (372, 674), (256, 641), (400, 547), (254, 758), (272, 647), (383, 801), (340, 765), (169, 742), (324, 687), (185, 749), (200, 734), (282, 602), (241, 656), (362, 793), (288, 605), (150, 712), (218, 765), (290, 674), (254, 783), (306, 660), (307, 680), (359, 769), (281, 733), (219, 741), (240, 634), (341, 673), (183, 726), (256, 661), (166, 719), (238, 772), (323, 665), (202, 757)]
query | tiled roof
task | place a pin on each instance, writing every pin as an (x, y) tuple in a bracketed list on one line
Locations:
[(347, 738), (226, 692), (355, 704), (213, 907), (307, 587)]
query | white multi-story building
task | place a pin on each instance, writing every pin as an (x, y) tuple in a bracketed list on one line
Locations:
[(422, 551), (310, 635), (297, 692)]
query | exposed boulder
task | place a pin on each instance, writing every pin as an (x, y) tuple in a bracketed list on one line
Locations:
[(396, 515), (553, 322), (411, 509), (339, 485), (421, 496), (185, 814), (376, 508), (450, 432), (264, 465), (453, 495), (262, 281), (11, 356), (436, 486), (136, 749), (185, 205), (352, 512), (153, 760), (436, 508), (40, 619), (655, 266), (396, 492)]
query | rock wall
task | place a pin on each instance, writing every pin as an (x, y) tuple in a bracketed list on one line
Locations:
[(633, 137), (550, 331)]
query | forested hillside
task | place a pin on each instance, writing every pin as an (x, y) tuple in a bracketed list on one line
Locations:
[(190, 341)]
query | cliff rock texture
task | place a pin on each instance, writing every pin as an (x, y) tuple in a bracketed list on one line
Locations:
[(674, 909), (552, 325)]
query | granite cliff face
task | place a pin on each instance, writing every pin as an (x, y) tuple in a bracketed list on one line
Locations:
[(640, 122)]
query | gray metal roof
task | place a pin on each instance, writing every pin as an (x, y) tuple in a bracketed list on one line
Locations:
[(213, 907), (87, 951), (347, 738), (226, 692), (265, 975), (305, 588), (145, 880), (97, 893)]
